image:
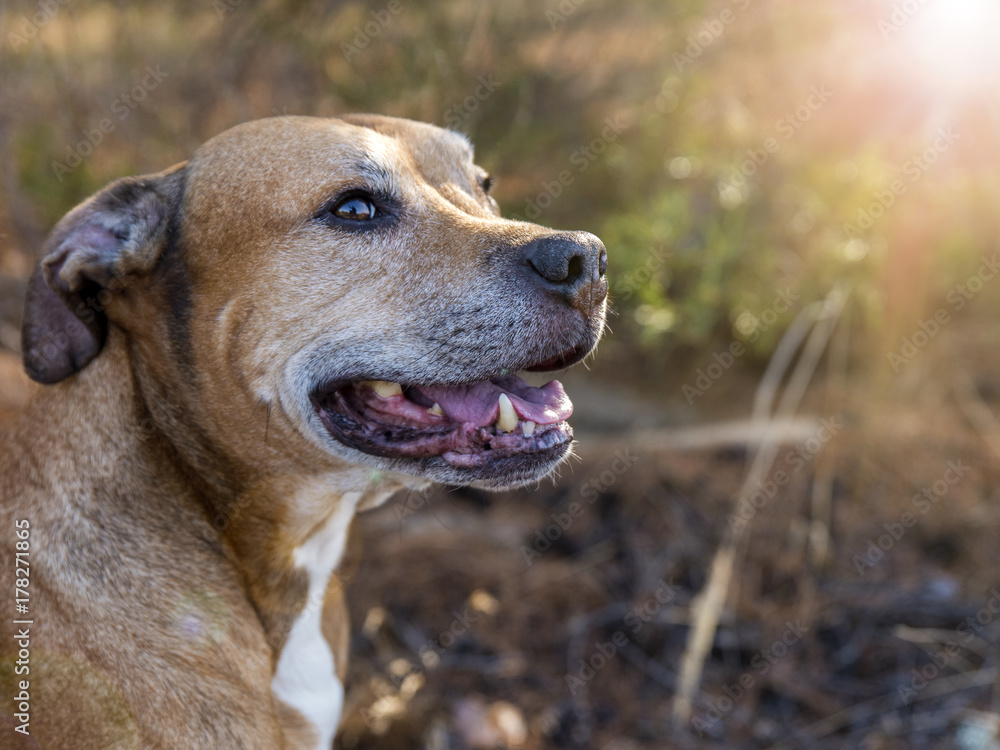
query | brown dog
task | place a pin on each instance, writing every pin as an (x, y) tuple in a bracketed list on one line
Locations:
[(242, 352)]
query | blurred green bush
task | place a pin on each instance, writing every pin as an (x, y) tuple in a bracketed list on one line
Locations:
[(727, 152)]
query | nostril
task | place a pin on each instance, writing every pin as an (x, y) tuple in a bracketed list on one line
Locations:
[(602, 263), (547, 269), (574, 270), (556, 260), (566, 260)]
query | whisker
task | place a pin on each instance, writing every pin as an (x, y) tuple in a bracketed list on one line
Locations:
[(254, 411)]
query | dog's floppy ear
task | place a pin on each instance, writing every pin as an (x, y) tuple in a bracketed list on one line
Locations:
[(97, 248)]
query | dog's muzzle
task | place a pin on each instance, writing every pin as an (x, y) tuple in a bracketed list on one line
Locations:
[(499, 426)]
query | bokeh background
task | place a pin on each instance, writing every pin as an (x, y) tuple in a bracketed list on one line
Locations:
[(823, 513)]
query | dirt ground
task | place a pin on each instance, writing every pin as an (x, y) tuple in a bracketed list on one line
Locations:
[(863, 612)]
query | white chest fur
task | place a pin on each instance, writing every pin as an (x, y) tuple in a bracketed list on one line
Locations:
[(305, 677)]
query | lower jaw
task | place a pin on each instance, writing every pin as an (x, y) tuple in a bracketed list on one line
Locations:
[(466, 454), (506, 473)]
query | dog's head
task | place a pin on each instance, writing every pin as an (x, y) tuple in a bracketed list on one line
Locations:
[(353, 275)]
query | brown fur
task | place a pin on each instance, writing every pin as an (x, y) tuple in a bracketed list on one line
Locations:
[(173, 466)]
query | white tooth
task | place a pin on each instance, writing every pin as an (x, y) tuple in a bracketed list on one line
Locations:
[(384, 388), (507, 420), (529, 428), (436, 410)]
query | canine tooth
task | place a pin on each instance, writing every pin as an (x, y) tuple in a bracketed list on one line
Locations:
[(507, 420), (529, 428), (384, 388), (436, 410)]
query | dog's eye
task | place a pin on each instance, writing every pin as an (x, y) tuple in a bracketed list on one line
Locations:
[(355, 209), (488, 182)]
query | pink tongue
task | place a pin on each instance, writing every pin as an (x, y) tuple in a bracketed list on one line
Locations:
[(478, 405)]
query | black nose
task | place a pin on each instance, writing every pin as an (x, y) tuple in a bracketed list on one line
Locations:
[(572, 264)]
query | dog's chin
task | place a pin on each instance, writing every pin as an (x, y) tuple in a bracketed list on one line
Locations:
[(496, 433), (496, 475)]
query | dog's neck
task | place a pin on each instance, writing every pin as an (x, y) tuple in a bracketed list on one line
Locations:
[(96, 445), (285, 532), (99, 430)]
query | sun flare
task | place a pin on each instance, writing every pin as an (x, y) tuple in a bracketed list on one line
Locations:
[(951, 42)]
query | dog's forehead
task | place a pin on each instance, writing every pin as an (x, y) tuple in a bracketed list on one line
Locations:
[(293, 158), (438, 154)]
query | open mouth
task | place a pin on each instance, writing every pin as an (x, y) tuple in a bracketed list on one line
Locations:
[(464, 426)]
